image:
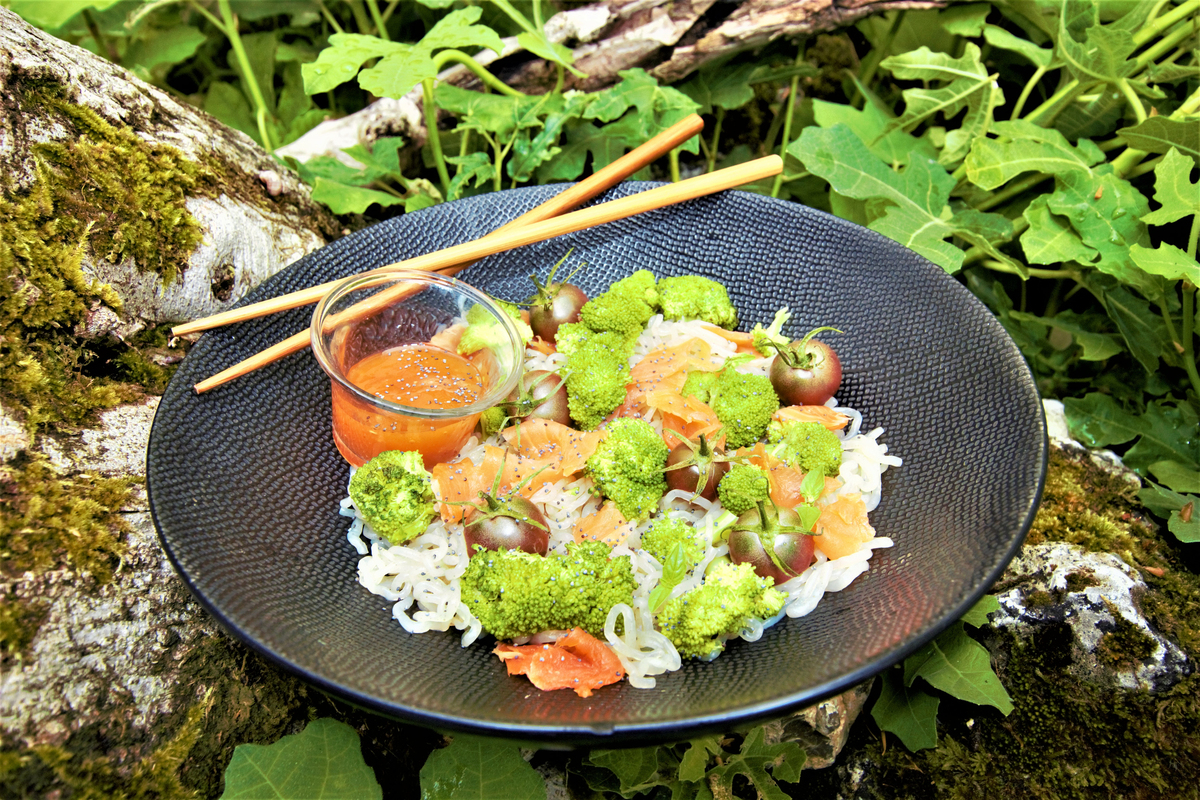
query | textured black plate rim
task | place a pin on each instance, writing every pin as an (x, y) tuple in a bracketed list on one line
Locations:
[(630, 734)]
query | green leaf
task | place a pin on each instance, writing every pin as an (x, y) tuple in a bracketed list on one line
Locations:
[(322, 762), (1106, 211), (656, 107), (999, 37), (1143, 329), (382, 159), (537, 43), (161, 48), (695, 759), (966, 20), (894, 147), (961, 667), (1170, 505), (52, 15), (977, 615), (404, 66), (495, 113), (341, 60), (1024, 147), (605, 145), (1180, 477), (635, 767), (967, 84), (475, 767), (474, 168), (1050, 239), (1174, 190), (909, 713), (1160, 134), (785, 759), (293, 100), (260, 54), (1082, 327), (1168, 433), (343, 198), (1102, 54), (916, 197), (717, 85), (1168, 261), (227, 103), (1095, 420)]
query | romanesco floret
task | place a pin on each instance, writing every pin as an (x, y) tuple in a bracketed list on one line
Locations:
[(628, 467), (666, 534), (571, 336), (484, 330), (809, 446), (625, 307), (696, 297), (743, 487), (730, 595), (744, 404), (765, 337), (514, 593), (394, 494), (597, 372)]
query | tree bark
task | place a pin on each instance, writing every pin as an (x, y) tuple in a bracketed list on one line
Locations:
[(254, 217)]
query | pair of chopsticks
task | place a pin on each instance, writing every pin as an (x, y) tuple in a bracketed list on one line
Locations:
[(539, 224)]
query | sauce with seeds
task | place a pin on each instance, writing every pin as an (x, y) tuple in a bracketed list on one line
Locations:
[(419, 376)]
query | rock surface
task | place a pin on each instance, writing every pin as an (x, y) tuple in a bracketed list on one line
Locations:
[(1097, 596)]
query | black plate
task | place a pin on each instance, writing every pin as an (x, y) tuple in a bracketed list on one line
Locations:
[(245, 482)]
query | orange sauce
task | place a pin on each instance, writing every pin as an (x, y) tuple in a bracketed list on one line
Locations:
[(418, 376)]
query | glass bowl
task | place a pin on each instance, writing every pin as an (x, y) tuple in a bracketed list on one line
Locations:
[(402, 375)]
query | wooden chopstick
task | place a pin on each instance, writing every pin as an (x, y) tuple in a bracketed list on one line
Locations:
[(562, 202), (689, 189)]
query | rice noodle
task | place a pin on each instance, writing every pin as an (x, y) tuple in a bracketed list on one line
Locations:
[(421, 577)]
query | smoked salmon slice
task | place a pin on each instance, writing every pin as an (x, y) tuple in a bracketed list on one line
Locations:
[(577, 661)]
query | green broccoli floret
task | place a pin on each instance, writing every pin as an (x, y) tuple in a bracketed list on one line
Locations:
[(571, 336), (666, 534), (393, 492), (811, 446), (624, 308), (694, 297), (492, 420), (700, 385), (628, 467), (722, 605), (743, 487), (514, 593), (744, 404), (765, 337), (597, 371), (484, 330)]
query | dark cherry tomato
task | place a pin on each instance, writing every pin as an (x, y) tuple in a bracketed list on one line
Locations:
[(554, 305), (793, 550), (695, 468), (511, 524), (806, 372), (540, 393)]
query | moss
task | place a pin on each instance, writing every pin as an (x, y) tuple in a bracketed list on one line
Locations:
[(19, 623), (48, 770), (1039, 599), (49, 519), (1078, 581), (1126, 645), (1086, 506)]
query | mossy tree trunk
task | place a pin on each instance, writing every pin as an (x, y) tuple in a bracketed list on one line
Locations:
[(180, 215)]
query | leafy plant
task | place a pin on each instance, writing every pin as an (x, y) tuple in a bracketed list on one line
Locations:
[(953, 664), (701, 768), (1040, 204)]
